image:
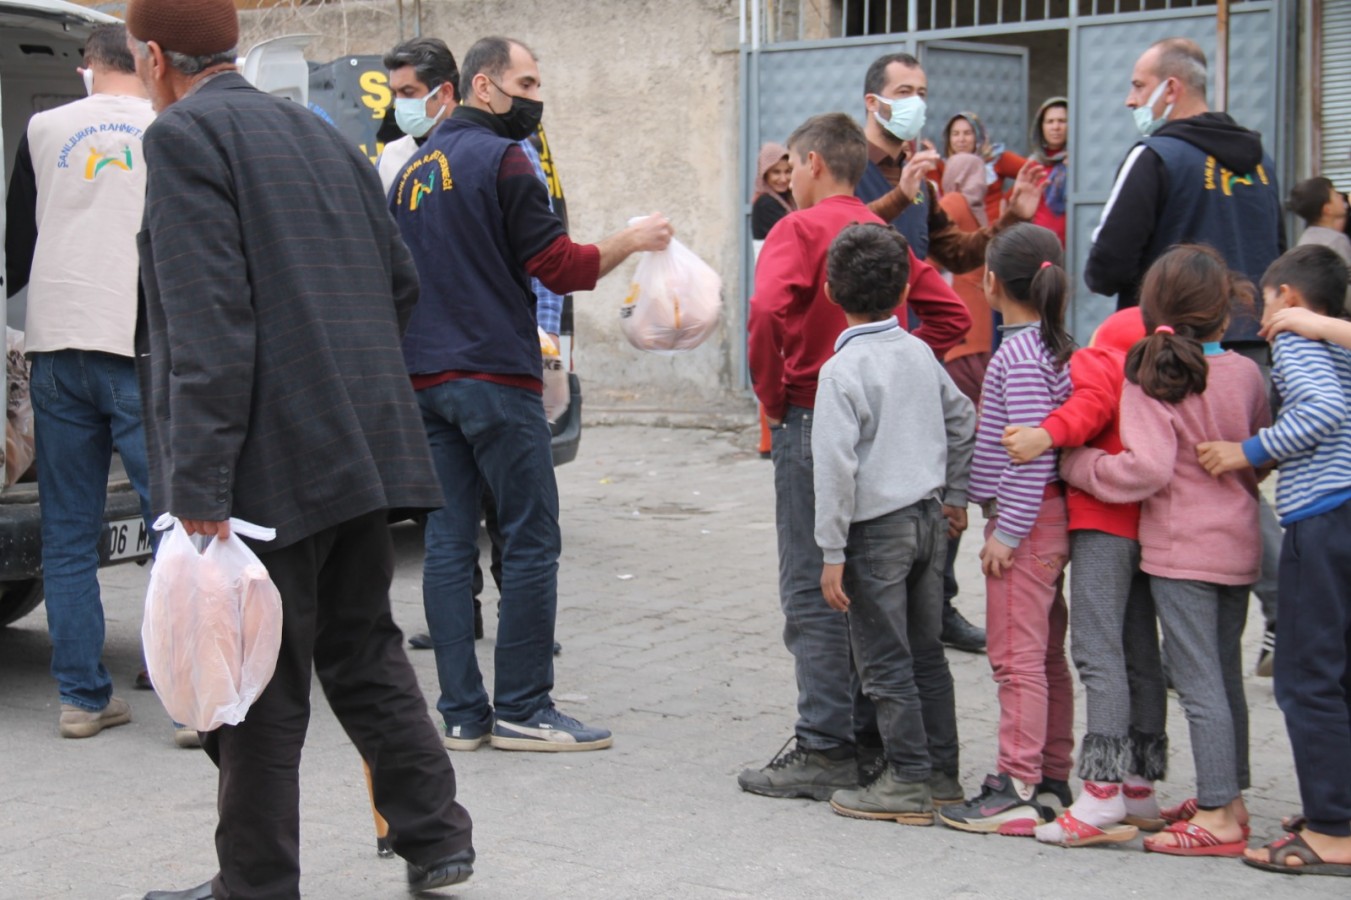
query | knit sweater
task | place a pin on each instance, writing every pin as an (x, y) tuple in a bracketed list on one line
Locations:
[(1192, 526), (1312, 437), (877, 448), (1022, 386)]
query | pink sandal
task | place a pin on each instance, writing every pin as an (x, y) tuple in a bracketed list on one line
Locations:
[(1193, 840), (1079, 833), (1183, 812)]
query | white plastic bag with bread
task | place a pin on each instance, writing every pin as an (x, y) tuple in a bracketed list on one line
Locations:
[(674, 301), (212, 627)]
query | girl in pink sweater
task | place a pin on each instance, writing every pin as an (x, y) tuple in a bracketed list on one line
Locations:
[(1199, 538)]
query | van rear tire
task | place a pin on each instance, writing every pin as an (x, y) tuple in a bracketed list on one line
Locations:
[(18, 599)]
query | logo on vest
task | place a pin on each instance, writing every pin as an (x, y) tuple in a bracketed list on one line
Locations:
[(1218, 177), (418, 184), (98, 161)]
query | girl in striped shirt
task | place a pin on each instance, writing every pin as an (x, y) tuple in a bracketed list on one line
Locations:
[(1026, 540)]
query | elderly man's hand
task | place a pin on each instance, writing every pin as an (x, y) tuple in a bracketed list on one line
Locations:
[(1026, 195), (652, 232), (218, 530)]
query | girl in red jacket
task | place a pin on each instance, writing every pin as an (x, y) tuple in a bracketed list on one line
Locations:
[(1199, 539), (1114, 641)]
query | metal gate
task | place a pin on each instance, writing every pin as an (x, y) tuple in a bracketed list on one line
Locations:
[(785, 82)]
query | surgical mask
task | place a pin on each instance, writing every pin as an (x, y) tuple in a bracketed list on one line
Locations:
[(907, 117), (523, 119), (410, 113), (1145, 122), (88, 76)]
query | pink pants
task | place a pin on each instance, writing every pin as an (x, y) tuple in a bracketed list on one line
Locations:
[(1025, 622)]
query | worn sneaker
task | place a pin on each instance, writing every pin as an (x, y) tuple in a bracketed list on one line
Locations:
[(887, 798), (187, 738), (1055, 795), (81, 723), (812, 774), (945, 789), (998, 809), (549, 730), (960, 634), (442, 873), (468, 737), (1266, 659)]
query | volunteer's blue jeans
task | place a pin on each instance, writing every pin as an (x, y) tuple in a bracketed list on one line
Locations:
[(484, 433), (85, 404)]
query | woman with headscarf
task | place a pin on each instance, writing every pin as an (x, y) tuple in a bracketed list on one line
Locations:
[(1050, 147), (965, 133), (772, 200)]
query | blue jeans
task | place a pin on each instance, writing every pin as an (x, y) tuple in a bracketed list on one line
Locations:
[(490, 434), (85, 404)]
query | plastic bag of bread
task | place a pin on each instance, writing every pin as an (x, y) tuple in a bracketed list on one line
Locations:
[(212, 627), (556, 393), (19, 446), (674, 301)]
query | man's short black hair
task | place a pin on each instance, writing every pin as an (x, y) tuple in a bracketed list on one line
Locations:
[(107, 48), (1308, 198), (837, 140), (432, 61), (490, 56), (1319, 274), (867, 268), (875, 80)]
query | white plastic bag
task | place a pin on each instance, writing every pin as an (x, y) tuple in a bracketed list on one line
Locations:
[(19, 446), (556, 393), (674, 301), (212, 628)]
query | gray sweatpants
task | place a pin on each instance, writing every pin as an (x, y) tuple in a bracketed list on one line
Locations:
[(1202, 627), (1115, 646)]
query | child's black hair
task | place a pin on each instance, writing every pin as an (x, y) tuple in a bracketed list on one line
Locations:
[(867, 268), (1317, 272), (1308, 198), (1187, 293), (1029, 261), (839, 142)]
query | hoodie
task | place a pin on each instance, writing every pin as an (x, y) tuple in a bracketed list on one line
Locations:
[(1147, 202)]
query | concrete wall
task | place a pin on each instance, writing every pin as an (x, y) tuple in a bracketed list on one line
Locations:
[(641, 108)]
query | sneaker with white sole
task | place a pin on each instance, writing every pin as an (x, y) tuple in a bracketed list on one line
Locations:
[(468, 737), (84, 723), (551, 731)]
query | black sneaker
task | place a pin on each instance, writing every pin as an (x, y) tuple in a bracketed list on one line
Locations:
[(442, 873), (1266, 660), (997, 810), (812, 774), (960, 634), (1055, 795)]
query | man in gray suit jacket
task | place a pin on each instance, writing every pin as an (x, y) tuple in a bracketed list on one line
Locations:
[(275, 290)]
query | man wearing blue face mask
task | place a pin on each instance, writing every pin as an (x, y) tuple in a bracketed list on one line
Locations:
[(422, 77), (1197, 176)]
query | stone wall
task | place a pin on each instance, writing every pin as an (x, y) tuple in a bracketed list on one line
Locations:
[(641, 106)]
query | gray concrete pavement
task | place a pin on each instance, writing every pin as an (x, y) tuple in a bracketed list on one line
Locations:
[(671, 632)]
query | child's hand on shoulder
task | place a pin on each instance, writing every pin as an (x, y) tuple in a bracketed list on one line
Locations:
[(1296, 319), (1025, 444), (996, 557), (1218, 457), (832, 586)]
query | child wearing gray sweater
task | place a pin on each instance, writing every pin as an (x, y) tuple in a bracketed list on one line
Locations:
[(891, 448)]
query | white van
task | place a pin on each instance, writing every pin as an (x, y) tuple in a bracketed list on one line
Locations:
[(40, 46)]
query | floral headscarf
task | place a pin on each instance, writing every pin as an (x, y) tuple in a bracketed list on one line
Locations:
[(1056, 161)]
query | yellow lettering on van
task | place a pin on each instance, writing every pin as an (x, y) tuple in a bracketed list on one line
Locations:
[(378, 96)]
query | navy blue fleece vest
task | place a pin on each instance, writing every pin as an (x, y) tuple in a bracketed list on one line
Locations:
[(913, 222), (475, 311), (1237, 213)]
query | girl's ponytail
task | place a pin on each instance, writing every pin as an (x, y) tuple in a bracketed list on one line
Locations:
[(1029, 261), (1167, 365)]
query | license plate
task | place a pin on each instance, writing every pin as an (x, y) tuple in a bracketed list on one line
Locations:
[(127, 539)]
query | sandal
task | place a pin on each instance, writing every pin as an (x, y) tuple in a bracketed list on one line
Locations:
[(1193, 840), (1187, 809), (1180, 813), (1079, 833), (1293, 844)]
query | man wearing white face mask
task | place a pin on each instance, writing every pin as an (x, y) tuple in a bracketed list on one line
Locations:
[(1197, 176), (422, 77)]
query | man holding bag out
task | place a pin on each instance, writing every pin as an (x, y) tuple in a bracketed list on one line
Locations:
[(270, 366)]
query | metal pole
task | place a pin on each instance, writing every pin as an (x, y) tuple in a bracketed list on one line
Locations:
[(1222, 56), (1316, 85), (401, 33), (417, 11), (755, 24), (741, 33)]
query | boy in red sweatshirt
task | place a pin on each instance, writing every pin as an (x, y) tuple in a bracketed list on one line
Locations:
[(792, 332)]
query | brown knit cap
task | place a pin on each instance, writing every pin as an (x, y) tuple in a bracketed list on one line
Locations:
[(191, 27)]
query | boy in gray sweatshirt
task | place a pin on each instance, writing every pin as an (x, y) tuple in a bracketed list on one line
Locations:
[(892, 447)]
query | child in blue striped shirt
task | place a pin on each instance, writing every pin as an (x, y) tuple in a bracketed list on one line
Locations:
[(1311, 442)]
